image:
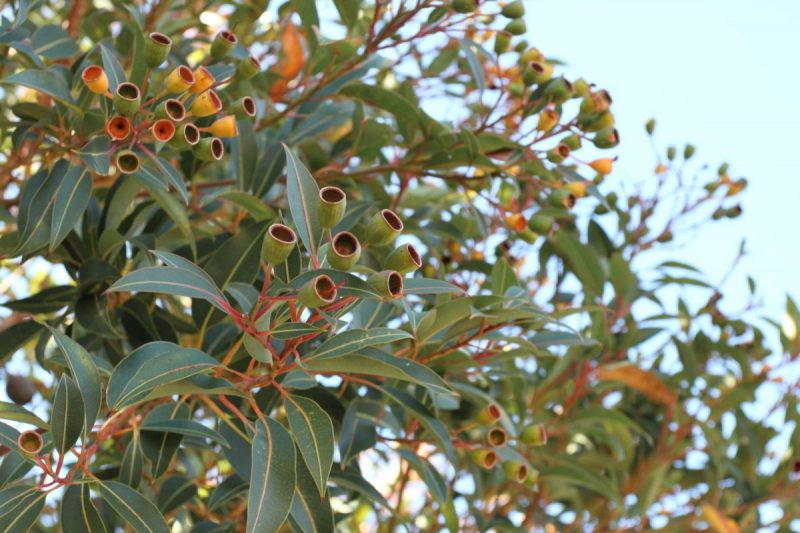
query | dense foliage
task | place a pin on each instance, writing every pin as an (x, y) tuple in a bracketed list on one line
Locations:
[(352, 265)]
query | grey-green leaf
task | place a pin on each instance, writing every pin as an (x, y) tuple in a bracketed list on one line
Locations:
[(303, 193), (355, 340), (130, 470), (85, 373), (134, 508), (12, 411), (187, 428), (310, 512), (313, 433), (151, 365), (46, 82), (67, 418), (52, 42), (72, 197), (78, 513), (95, 154), (170, 280), (273, 478), (20, 508)]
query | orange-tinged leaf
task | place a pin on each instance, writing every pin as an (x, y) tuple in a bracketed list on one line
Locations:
[(641, 380), (719, 522), (293, 60)]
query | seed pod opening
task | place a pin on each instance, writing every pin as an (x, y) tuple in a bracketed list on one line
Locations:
[(331, 206), (318, 292), (489, 415), (30, 442), (206, 104), (247, 68), (209, 149), (180, 79), (172, 109), (278, 244), (383, 228), (344, 252), (202, 80), (516, 471), (156, 49), (404, 259), (388, 283), (127, 162), (118, 128), (222, 44), (163, 130), (485, 458), (496, 437), (127, 99), (95, 79)]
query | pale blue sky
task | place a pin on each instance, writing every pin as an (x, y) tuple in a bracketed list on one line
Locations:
[(721, 74)]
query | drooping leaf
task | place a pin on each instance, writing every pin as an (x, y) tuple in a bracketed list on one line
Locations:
[(171, 280), (78, 513), (310, 512), (112, 67), (313, 432), (46, 82), (95, 154), (273, 478), (67, 418), (85, 373), (52, 42), (355, 340), (303, 194), (187, 428), (134, 508), (174, 492), (20, 507), (12, 411), (72, 197), (130, 470), (639, 379)]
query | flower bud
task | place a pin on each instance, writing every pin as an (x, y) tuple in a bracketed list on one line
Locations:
[(404, 259), (514, 10), (463, 6), (496, 437), (224, 127), (331, 206), (206, 104), (534, 435), (180, 80), (516, 27), (562, 198), (489, 415), (209, 149), (387, 283), (606, 138), (279, 241), (541, 224), (171, 109), (19, 389), (602, 166), (383, 228), (317, 292), (156, 49), (127, 162), (95, 79), (548, 119), (202, 80), (502, 41), (118, 128), (163, 130), (515, 471), (484, 458), (30, 442), (344, 251), (243, 108), (222, 44), (247, 68), (186, 136), (127, 99)]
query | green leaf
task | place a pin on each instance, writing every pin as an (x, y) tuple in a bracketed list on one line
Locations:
[(45, 301), (134, 508), (71, 199), (52, 42), (582, 260), (15, 336), (173, 177), (175, 491), (160, 448), (403, 110), (433, 479), (187, 428), (358, 428), (114, 70), (355, 340), (95, 154), (313, 433), (502, 277), (14, 467), (130, 470), (348, 11), (375, 362), (273, 478), (67, 418), (255, 207), (425, 417), (574, 473), (353, 481), (46, 82), (151, 365), (78, 513), (8, 436), (470, 51), (12, 411), (292, 330), (85, 372), (422, 286), (310, 513), (303, 193), (256, 349), (35, 207), (20, 508), (171, 280), (172, 208)]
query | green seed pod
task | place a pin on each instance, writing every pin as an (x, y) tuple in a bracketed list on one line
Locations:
[(496, 437), (186, 136), (222, 44), (528, 236), (463, 6), (515, 471), (596, 102), (671, 153), (156, 48), (541, 223), (562, 198), (387, 283), (606, 138), (247, 68), (596, 121), (521, 46), (559, 90), (243, 108), (558, 153), (537, 72), (733, 212), (533, 478), (516, 88), (127, 162), (489, 415), (317, 292), (331, 207), (507, 193), (484, 458), (514, 10), (534, 435), (209, 149), (650, 126), (30, 442), (723, 169), (516, 27), (171, 109), (344, 251), (688, 151), (19, 389), (127, 99), (279, 241), (404, 259), (581, 87), (573, 142), (502, 41), (383, 228)]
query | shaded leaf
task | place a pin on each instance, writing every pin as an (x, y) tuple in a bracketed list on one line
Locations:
[(303, 194), (78, 513), (273, 478), (134, 508), (67, 418), (71, 199), (313, 433), (355, 340)]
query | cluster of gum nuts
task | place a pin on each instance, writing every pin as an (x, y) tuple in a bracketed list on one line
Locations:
[(164, 118), (344, 250)]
